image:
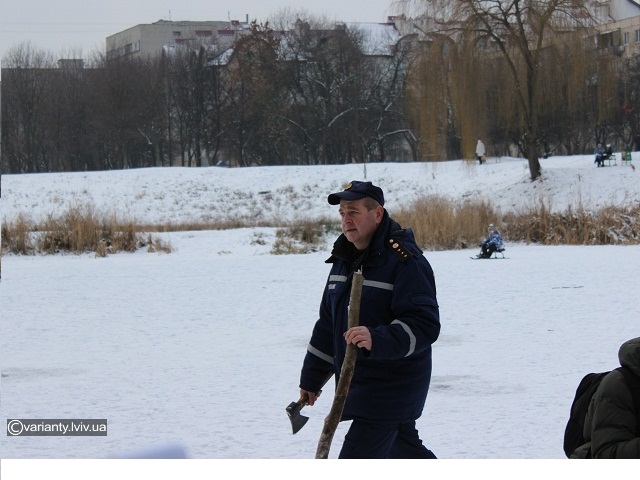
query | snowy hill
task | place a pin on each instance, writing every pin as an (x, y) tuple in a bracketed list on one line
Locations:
[(265, 194)]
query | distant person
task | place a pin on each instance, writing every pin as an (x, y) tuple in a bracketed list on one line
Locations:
[(608, 153), (480, 151), (599, 155), (612, 424), (491, 243)]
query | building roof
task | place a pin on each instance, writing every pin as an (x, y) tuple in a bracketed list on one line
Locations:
[(378, 38)]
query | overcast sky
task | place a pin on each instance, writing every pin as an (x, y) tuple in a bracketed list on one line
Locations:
[(63, 26)]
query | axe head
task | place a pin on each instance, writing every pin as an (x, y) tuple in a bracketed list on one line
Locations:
[(297, 420)]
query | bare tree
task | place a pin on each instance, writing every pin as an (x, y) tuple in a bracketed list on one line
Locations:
[(630, 109), (24, 87), (129, 96), (383, 125), (186, 77), (67, 126), (325, 75), (256, 98), (517, 31)]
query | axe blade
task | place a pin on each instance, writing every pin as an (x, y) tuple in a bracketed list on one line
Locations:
[(297, 419)]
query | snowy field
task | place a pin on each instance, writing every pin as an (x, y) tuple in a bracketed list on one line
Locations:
[(197, 353), (175, 195)]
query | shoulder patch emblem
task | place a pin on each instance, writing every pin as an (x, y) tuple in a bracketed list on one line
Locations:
[(401, 252)]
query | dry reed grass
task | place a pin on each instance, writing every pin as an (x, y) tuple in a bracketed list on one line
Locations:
[(78, 230), (441, 224), (16, 236), (438, 223)]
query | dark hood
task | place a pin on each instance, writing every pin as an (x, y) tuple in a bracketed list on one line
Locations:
[(629, 354)]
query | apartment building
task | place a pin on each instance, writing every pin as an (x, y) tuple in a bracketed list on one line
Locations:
[(150, 39), (620, 38), (618, 32)]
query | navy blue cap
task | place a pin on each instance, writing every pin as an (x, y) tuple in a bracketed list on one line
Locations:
[(356, 190)]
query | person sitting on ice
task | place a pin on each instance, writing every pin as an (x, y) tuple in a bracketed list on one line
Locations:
[(492, 243)]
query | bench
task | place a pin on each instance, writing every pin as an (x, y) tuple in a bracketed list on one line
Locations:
[(610, 158)]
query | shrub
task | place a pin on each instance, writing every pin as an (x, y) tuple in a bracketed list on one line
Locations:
[(78, 230), (304, 237)]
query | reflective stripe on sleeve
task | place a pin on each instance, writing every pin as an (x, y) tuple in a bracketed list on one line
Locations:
[(412, 337), (322, 356)]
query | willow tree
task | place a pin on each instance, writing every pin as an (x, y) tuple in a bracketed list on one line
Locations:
[(569, 112), (427, 99), (514, 34)]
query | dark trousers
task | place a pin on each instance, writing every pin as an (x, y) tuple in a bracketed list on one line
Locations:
[(383, 440), (487, 250)]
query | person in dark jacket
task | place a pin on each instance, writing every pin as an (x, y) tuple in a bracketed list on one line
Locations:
[(399, 321), (610, 426)]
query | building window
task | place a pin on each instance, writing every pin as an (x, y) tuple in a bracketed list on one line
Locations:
[(625, 38), (605, 40), (177, 33), (637, 36), (204, 33)]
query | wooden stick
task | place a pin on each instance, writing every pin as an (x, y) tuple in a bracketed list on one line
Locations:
[(346, 373)]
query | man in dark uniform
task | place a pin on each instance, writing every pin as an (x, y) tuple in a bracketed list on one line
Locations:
[(399, 321)]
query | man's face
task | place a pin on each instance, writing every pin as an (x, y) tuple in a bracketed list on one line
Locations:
[(358, 223)]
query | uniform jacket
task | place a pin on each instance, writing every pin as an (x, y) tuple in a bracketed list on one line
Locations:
[(399, 307), (611, 420)]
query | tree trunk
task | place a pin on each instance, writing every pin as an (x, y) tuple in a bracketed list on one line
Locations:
[(532, 157)]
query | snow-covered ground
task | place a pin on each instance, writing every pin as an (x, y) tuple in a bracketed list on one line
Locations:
[(197, 353), (180, 195)]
